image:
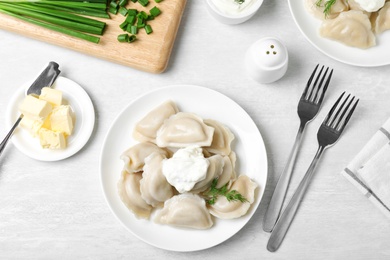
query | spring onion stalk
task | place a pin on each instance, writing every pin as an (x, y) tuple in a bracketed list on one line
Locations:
[(61, 16), (73, 33)]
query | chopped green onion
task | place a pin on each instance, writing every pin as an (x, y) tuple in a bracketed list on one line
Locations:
[(134, 29), (148, 29), (123, 2), (123, 25), (132, 12), (122, 11), (155, 11), (143, 2), (132, 38), (158, 1), (123, 37), (131, 19)]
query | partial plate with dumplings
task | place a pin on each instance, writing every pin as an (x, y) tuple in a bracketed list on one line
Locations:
[(207, 103), (376, 56), (84, 114)]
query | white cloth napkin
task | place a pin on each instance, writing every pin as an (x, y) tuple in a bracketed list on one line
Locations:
[(369, 171)]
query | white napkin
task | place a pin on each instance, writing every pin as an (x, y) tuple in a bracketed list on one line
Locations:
[(369, 171)]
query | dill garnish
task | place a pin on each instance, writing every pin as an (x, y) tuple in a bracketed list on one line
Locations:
[(327, 5), (214, 192)]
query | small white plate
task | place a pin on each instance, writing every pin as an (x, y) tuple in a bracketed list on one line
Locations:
[(84, 113), (207, 103), (373, 57)]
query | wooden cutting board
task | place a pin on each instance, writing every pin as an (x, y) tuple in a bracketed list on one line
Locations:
[(149, 53)]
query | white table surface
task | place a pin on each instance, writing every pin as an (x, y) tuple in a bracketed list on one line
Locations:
[(57, 209)]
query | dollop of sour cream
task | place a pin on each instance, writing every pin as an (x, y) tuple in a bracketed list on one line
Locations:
[(186, 168), (232, 7), (371, 5)]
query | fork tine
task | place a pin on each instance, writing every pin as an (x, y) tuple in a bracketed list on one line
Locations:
[(325, 86), (310, 95), (335, 117), (340, 119), (309, 81), (329, 115), (348, 116)]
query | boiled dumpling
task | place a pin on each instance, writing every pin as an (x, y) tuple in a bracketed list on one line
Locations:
[(185, 210), (222, 138), (129, 192), (214, 170), (318, 11), (134, 157), (146, 129), (154, 186), (352, 28), (228, 210), (184, 129), (228, 173), (382, 21)]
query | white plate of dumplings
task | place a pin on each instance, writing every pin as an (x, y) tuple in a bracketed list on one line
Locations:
[(206, 103), (378, 55)]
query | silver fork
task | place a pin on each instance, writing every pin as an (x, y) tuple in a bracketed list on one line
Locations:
[(328, 134), (308, 107)]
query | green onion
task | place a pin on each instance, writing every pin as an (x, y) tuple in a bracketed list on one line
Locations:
[(148, 29), (143, 2), (131, 19), (158, 1), (123, 11), (83, 36), (62, 16), (132, 38), (123, 37), (123, 3), (134, 29), (155, 11)]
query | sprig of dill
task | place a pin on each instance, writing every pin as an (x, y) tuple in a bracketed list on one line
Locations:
[(214, 192), (327, 5)]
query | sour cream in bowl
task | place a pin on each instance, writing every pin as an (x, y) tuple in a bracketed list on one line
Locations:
[(233, 11)]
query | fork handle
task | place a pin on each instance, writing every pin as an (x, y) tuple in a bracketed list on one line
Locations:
[(279, 194), (8, 136), (288, 214)]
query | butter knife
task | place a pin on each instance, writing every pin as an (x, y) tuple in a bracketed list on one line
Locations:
[(45, 79)]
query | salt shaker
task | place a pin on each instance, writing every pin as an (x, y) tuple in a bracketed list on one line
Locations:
[(266, 60)]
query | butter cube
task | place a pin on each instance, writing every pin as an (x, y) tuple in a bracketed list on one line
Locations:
[(61, 119), (51, 140), (35, 108), (31, 125), (53, 96)]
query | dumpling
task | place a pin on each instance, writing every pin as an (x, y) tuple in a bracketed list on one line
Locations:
[(352, 28), (184, 129), (129, 192), (228, 172), (214, 170), (382, 21), (154, 186), (318, 11), (234, 209), (222, 138), (185, 210), (134, 157), (146, 129)]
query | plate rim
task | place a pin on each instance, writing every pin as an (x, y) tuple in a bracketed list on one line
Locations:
[(137, 98)]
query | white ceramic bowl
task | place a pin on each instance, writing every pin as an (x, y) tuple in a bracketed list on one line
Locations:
[(233, 19)]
